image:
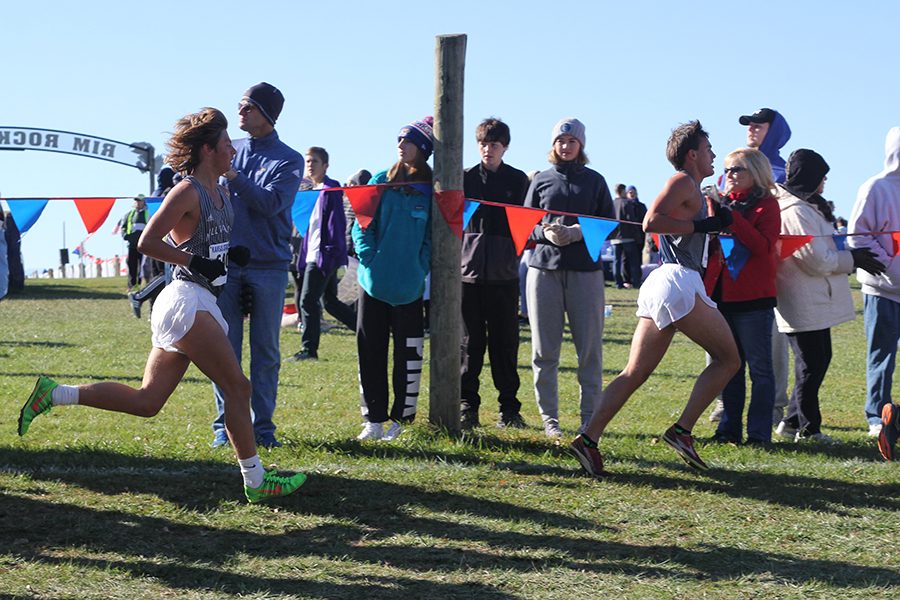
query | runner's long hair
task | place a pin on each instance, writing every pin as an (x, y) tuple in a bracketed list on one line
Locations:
[(192, 132)]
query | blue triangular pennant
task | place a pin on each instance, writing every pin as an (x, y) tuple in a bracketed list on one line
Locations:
[(595, 232), (727, 244), (153, 204), (301, 211), (737, 258), (26, 211), (470, 207)]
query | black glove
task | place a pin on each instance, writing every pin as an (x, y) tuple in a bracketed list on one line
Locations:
[(724, 213), (211, 269), (864, 259), (239, 255), (710, 224)]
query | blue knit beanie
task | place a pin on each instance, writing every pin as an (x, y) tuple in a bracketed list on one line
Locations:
[(420, 133), (267, 98)]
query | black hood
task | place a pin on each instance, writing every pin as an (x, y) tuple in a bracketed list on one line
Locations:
[(805, 171)]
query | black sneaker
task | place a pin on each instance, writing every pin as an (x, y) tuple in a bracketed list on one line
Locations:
[(468, 420), (512, 421), (303, 355), (763, 444)]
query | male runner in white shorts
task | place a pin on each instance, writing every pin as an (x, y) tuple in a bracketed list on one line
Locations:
[(673, 299), (196, 219)]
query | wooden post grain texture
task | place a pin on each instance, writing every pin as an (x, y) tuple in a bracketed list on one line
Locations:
[(446, 286)]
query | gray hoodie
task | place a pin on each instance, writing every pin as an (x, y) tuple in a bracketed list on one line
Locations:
[(877, 208)]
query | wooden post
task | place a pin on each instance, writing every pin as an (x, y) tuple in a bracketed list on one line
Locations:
[(446, 286)]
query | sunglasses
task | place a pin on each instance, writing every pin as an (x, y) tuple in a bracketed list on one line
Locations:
[(735, 170), (245, 107)]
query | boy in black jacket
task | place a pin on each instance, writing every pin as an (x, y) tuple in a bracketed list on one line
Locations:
[(490, 276)]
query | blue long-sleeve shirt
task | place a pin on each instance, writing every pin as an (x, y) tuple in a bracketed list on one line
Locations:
[(268, 177)]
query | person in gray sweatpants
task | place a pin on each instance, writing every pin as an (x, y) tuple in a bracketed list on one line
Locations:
[(563, 280)]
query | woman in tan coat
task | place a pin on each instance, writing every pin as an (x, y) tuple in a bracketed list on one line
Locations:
[(812, 287)]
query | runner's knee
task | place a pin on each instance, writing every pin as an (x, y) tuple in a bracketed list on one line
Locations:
[(236, 390)]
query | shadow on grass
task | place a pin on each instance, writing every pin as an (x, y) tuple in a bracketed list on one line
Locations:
[(361, 527), (808, 493), (467, 454), (41, 344), (36, 290)]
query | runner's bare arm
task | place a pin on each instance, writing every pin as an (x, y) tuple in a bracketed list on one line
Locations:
[(672, 211), (179, 215)]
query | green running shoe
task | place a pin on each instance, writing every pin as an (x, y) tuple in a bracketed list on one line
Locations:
[(39, 402), (274, 486)]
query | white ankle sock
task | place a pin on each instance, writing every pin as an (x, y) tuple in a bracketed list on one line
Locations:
[(252, 471), (64, 394)]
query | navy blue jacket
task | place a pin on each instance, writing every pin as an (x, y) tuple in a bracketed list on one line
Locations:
[(268, 177)]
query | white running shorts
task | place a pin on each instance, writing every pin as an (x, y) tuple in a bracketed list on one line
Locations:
[(668, 294), (174, 311)]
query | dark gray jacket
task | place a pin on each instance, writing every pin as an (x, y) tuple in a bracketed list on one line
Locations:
[(571, 188), (633, 211)]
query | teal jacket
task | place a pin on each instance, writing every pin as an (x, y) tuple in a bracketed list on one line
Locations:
[(395, 249)]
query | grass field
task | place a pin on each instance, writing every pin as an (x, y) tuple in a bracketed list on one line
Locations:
[(101, 505)]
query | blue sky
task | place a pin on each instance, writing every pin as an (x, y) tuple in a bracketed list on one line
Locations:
[(354, 72)]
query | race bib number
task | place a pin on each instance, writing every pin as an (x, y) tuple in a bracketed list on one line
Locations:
[(219, 252)]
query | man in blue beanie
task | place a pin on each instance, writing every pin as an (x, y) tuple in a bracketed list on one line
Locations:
[(264, 178)]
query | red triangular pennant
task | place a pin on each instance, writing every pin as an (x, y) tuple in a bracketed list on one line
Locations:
[(790, 243), (895, 235), (365, 200), (521, 224), (451, 203), (94, 211)]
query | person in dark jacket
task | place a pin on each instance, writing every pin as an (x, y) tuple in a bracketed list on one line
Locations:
[(165, 181), (563, 279), (130, 226), (628, 238), (490, 279), (14, 263), (322, 251)]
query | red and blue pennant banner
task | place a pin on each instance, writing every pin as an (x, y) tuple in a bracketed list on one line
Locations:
[(454, 207), (93, 211)]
